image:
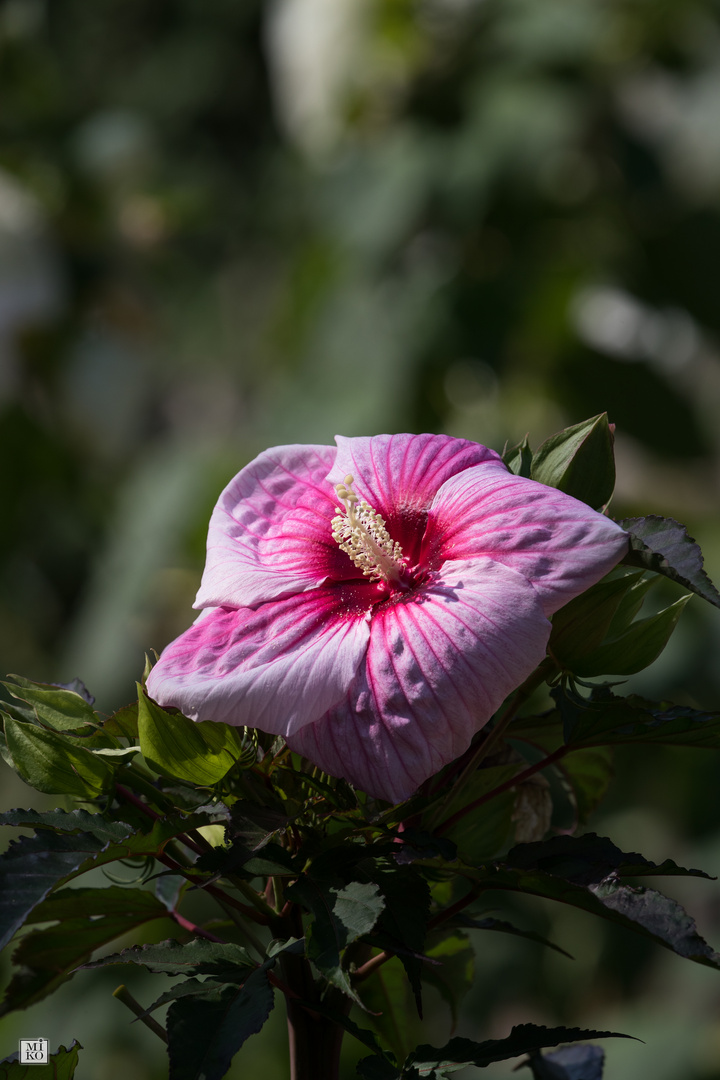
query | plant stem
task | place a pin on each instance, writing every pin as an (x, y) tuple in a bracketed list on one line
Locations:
[(123, 994), (520, 778)]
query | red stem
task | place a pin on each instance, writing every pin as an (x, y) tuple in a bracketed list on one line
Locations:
[(511, 783)]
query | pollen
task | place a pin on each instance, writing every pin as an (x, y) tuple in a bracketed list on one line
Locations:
[(360, 532)]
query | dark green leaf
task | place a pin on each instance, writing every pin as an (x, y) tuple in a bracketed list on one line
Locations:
[(402, 925), (197, 957), (490, 923), (200, 754), (581, 884), (90, 918), (204, 1033), (523, 1039), (605, 718), (62, 1063), (253, 825), (663, 545), (340, 916), (579, 461), (589, 860), (53, 764), (33, 866), (482, 833)]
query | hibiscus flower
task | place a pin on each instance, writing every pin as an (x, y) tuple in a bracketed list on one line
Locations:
[(376, 602)]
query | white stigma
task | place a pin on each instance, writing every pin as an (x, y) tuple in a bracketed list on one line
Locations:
[(360, 532)]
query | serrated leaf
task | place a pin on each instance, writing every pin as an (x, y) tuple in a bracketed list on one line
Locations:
[(63, 1064), (503, 927), (124, 722), (196, 957), (579, 461), (90, 918), (583, 872), (663, 545), (61, 708), (604, 718), (53, 764), (205, 1033), (636, 648), (33, 866), (340, 916), (199, 754), (523, 1039)]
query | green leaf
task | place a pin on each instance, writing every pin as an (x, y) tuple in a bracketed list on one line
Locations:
[(33, 866), (634, 650), (53, 764), (124, 722), (204, 1033), (482, 833), (197, 957), (579, 461), (453, 971), (402, 925), (63, 1064), (62, 709), (663, 545), (519, 459), (427, 1061), (199, 754), (580, 627), (590, 859), (340, 916), (90, 918), (589, 773)]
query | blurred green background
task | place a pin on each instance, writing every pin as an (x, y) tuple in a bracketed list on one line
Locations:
[(235, 224)]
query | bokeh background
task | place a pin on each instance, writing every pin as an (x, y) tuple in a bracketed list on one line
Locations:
[(235, 224)]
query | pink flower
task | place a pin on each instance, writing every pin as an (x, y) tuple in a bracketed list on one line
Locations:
[(375, 603)]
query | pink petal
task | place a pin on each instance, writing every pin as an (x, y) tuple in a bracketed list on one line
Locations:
[(439, 664), (400, 474), (275, 668), (558, 543), (270, 534)]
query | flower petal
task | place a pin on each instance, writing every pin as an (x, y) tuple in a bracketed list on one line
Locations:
[(439, 664), (276, 668), (557, 542), (400, 474), (270, 534)]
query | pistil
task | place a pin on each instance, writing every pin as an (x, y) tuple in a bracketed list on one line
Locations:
[(361, 532)]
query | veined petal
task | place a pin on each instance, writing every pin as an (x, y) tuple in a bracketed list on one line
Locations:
[(557, 542), (439, 664), (398, 475), (270, 533), (276, 667)]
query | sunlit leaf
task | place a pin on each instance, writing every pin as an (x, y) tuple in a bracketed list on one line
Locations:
[(579, 461)]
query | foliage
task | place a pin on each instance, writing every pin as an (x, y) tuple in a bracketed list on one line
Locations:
[(335, 900)]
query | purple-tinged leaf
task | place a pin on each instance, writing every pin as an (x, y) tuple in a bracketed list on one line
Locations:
[(663, 545), (428, 1061), (205, 1033)]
